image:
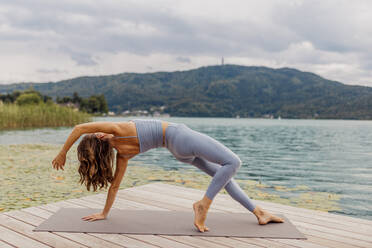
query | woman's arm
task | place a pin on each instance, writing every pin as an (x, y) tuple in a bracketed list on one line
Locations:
[(121, 166), (90, 127)]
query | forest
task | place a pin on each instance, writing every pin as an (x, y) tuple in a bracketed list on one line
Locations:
[(220, 91)]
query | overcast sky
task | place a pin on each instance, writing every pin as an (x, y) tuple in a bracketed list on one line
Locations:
[(49, 40)]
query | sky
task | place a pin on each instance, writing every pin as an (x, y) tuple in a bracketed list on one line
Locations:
[(49, 40)]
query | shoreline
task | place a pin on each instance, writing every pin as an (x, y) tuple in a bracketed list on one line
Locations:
[(20, 190)]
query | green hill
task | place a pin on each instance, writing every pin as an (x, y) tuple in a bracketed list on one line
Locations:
[(221, 91)]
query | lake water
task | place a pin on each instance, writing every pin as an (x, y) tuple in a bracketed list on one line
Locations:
[(318, 156)]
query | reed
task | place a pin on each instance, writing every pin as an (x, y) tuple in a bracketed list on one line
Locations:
[(40, 115)]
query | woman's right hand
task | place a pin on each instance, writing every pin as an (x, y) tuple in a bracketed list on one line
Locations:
[(59, 161), (103, 135)]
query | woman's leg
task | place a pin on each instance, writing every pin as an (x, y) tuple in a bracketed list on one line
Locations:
[(232, 187), (190, 144), (185, 145)]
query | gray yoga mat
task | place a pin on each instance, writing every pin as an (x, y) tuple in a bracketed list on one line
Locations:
[(167, 223)]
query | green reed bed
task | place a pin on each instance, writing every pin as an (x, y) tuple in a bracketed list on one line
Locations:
[(39, 115)]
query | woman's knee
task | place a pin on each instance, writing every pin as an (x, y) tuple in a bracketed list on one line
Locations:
[(236, 163)]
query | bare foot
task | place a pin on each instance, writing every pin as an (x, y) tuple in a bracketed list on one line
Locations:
[(200, 212), (265, 217)]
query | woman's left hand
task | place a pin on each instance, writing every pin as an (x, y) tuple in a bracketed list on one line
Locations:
[(59, 161), (93, 217)]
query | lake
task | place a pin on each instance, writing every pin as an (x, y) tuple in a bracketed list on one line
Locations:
[(292, 159)]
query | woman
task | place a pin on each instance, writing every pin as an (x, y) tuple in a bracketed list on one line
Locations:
[(96, 156)]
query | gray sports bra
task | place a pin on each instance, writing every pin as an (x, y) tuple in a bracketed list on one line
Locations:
[(149, 134)]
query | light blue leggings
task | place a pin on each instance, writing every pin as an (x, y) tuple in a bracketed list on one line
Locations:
[(209, 155)]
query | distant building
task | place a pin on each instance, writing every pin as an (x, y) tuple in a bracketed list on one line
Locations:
[(158, 114), (222, 61)]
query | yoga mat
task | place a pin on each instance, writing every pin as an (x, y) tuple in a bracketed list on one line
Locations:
[(167, 223)]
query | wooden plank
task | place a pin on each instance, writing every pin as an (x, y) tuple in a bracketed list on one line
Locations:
[(350, 240), (231, 242), (325, 221), (313, 219), (57, 206), (90, 240), (317, 212), (114, 238), (244, 242), (299, 243), (177, 238), (226, 199), (181, 239), (158, 199), (123, 203), (147, 238), (5, 245), (18, 239), (119, 239), (127, 241), (262, 242), (340, 217), (150, 196), (161, 241), (327, 242), (118, 203), (184, 193), (181, 201), (332, 230), (37, 212), (185, 202), (151, 201), (331, 236), (195, 242), (322, 229), (25, 217), (82, 238), (83, 203), (43, 237), (133, 197)]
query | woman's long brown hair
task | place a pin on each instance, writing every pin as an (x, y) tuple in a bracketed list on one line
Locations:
[(96, 158)]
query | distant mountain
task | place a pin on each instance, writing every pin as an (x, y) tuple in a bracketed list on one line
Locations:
[(221, 91)]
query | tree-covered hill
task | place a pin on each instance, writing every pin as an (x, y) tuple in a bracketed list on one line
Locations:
[(223, 91)]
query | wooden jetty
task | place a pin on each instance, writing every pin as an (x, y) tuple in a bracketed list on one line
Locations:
[(321, 229)]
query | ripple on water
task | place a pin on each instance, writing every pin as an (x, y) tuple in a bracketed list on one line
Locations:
[(331, 158)]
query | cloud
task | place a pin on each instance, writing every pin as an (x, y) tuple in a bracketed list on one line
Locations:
[(52, 71), (81, 58), (183, 59), (330, 25), (329, 37)]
